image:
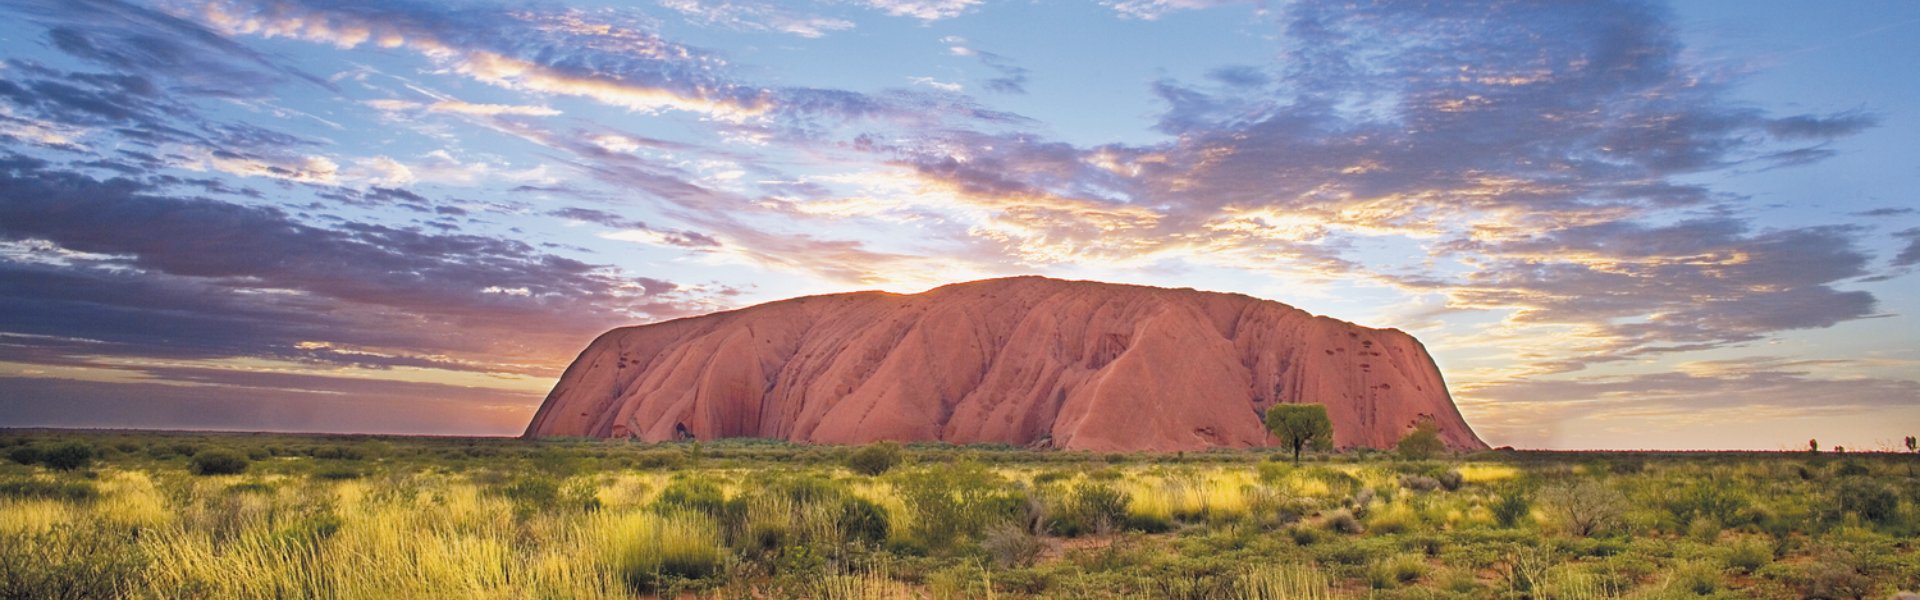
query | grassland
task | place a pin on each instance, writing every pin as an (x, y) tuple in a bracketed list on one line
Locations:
[(104, 515)]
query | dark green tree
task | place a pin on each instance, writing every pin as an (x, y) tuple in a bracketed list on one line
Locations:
[(1299, 426), (68, 456)]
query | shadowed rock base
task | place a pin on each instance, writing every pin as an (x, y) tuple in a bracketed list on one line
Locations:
[(1025, 361)]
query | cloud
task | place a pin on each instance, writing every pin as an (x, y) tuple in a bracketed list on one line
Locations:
[(609, 61), (1911, 254), (924, 10), (209, 278), (750, 15), (1154, 9)]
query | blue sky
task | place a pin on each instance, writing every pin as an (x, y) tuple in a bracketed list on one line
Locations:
[(1615, 224)]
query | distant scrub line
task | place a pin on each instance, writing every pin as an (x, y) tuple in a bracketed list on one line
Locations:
[(253, 516)]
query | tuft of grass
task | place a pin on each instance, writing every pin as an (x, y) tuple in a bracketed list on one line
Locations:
[(649, 549), (1280, 582)]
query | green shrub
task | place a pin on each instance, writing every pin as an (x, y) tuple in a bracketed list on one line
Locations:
[(1092, 509), (953, 500), (1422, 443), (68, 456), (863, 521), (692, 495), (338, 473), (1697, 578), (1511, 506), (70, 491), (1396, 570), (1707, 500), (1585, 507), (218, 461), (26, 455), (1748, 556), (1832, 575), (1870, 499), (333, 453), (876, 458)]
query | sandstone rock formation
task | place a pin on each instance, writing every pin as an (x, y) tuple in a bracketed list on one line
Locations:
[(1024, 361)]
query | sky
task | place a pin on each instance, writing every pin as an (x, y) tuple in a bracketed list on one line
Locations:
[(1614, 224)]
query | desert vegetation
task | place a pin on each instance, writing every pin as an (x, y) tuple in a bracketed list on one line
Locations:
[(251, 516)]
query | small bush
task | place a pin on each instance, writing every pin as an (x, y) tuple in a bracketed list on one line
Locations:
[(338, 473), (1011, 546), (1451, 480), (334, 453), (1832, 575), (26, 455), (71, 491), (1749, 556), (218, 461), (862, 521), (1092, 509), (1511, 507), (1422, 443), (1867, 498), (1342, 521), (876, 458), (692, 495), (68, 456), (1697, 578), (1585, 507), (1419, 483), (1397, 570)]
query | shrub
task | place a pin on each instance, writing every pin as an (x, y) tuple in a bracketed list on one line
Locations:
[(68, 456), (1093, 508), (692, 495), (862, 521), (338, 473), (876, 458), (1422, 443), (1451, 480), (1867, 498), (1511, 506), (1397, 570), (1585, 507), (1342, 521), (26, 455), (71, 491), (217, 461), (1419, 483), (952, 501), (1010, 545), (334, 453), (1833, 575), (1748, 556), (1697, 578), (1707, 500)]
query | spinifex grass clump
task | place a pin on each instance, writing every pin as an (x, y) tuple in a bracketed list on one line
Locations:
[(648, 550)]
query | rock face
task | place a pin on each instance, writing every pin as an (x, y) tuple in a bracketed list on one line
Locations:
[(1024, 361)]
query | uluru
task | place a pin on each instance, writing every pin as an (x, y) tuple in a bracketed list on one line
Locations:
[(1027, 361)]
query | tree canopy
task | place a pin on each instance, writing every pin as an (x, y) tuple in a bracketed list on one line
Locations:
[(1299, 426)]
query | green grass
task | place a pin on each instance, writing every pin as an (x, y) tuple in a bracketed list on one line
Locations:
[(369, 517)]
